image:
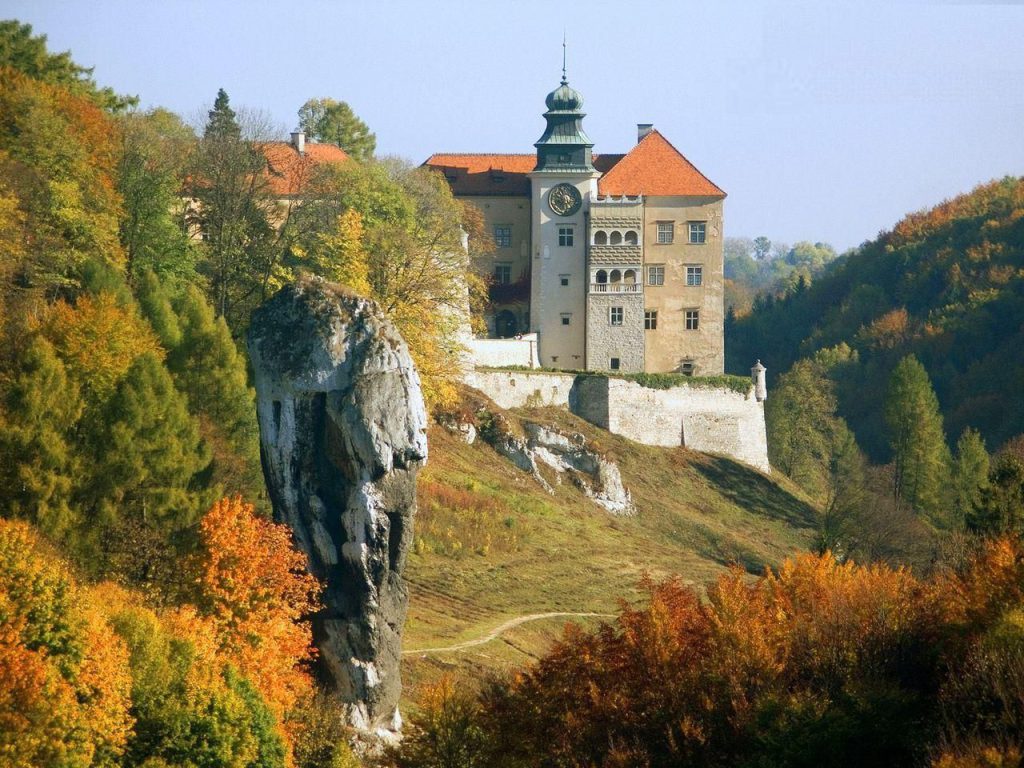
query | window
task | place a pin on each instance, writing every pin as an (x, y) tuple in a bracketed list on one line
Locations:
[(692, 319), (698, 232), (566, 318), (600, 237), (563, 279), (613, 363), (602, 277), (694, 275), (631, 238), (503, 237), (666, 232), (616, 239), (565, 236), (656, 274), (651, 320), (615, 315), (502, 274)]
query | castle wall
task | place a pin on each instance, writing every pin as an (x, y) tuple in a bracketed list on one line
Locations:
[(501, 353), (704, 419)]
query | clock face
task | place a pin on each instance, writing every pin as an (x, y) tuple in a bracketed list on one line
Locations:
[(564, 200)]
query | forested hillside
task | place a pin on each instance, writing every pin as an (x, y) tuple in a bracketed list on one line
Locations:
[(946, 285)]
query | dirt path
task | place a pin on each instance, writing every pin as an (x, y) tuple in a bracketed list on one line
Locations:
[(502, 628)]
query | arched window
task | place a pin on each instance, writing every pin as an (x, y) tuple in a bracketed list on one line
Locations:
[(629, 276), (602, 276), (600, 237), (616, 238), (616, 276), (631, 238)]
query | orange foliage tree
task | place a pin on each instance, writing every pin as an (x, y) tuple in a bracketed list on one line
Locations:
[(64, 676), (254, 587)]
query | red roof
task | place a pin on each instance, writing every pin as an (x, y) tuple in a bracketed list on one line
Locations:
[(655, 167), (289, 171), (652, 167), (471, 174)]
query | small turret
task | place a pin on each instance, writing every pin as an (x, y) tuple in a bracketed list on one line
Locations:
[(760, 387)]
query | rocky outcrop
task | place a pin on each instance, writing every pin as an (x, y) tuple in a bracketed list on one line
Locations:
[(531, 445), (342, 436)]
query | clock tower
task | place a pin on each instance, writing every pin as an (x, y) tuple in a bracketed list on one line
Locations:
[(562, 185)]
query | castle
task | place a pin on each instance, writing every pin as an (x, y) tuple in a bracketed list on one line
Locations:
[(607, 262)]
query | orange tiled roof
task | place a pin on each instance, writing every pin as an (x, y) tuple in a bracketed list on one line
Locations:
[(289, 171), (655, 167), (485, 174)]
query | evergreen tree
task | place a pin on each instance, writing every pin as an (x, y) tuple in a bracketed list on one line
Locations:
[(39, 465), (156, 308), (970, 473), (921, 458), (222, 122), (209, 369), (1000, 505), (233, 210), (334, 122), (148, 453)]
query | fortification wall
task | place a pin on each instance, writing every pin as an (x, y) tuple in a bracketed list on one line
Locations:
[(704, 419), (499, 353), (523, 389)]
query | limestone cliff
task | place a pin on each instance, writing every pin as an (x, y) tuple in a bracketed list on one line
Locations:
[(342, 436)]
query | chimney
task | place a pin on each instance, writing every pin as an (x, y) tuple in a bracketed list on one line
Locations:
[(299, 141), (642, 129)]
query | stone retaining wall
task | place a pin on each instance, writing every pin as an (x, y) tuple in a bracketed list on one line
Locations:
[(704, 419)]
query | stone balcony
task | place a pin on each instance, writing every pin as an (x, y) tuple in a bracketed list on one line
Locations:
[(634, 288)]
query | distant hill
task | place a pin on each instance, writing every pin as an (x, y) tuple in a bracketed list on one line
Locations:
[(946, 284)]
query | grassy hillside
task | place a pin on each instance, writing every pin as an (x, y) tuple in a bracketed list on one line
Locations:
[(491, 544), (946, 284)]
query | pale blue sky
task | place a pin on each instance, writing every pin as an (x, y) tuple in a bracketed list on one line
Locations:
[(823, 121)]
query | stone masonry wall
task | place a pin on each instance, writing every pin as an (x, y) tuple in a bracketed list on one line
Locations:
[(708, 420), (605, 341)]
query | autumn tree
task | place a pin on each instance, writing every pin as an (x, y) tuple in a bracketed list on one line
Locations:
[(334, 122), (58, 154), (254, 587), (189, 704), (417, 265), (64, 682), (921, 458), (27, 53)]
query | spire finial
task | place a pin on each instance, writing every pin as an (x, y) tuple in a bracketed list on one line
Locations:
[(565, 80)]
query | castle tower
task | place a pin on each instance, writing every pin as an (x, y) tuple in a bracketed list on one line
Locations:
[(562, 185)]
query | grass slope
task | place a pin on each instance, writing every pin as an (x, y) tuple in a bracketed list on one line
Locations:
[(491, 544)]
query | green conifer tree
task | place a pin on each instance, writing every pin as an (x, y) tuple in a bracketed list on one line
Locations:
[(1000, 506), (39, 465), (223, 122), (209, 369), (148, 453), (921, 458), (156, 308), (970, 473)]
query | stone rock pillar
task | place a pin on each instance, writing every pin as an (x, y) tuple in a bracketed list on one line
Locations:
[(342, 436)]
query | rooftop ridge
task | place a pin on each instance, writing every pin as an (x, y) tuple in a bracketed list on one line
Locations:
[(673, 146)]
